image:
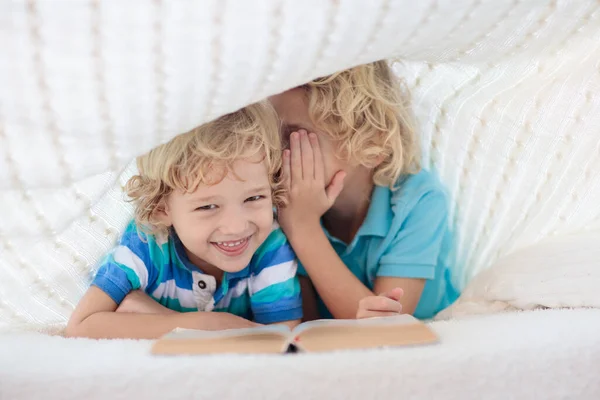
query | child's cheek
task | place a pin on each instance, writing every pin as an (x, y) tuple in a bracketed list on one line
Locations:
[(330, 170), (264, 216)]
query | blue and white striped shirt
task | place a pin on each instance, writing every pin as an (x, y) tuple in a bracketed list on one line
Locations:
[(266, 291)]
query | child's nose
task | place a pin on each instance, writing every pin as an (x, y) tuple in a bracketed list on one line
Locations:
[(234, 222)]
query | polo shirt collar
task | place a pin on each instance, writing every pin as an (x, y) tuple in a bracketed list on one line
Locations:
[(379, 216)]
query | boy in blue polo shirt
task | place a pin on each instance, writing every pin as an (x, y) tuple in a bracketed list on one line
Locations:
[(204, 248), (369, 226)]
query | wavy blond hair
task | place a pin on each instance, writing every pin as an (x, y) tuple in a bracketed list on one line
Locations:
[(365, 111), (186, 161)]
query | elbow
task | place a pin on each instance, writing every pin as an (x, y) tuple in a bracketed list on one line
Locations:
[(71, 331), (75, 329)]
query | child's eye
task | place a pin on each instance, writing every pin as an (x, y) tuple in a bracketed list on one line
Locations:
[(255, 198), (206, 208)]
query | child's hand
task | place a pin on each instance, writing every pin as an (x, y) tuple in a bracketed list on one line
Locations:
[(303, 176), (384, 305)]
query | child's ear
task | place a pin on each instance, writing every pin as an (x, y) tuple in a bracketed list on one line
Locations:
[(162, 214)]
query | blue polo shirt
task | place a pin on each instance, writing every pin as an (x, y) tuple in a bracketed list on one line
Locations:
[(405, 234)]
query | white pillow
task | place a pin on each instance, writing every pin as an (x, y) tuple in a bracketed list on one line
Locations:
[(558, 272)]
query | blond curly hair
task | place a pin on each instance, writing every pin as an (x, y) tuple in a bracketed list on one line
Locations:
[(366, 111), (186, 161)]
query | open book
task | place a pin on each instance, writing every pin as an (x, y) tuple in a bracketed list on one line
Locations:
[(314, 336)]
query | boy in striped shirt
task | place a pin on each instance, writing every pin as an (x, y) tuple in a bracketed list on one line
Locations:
[(203, 239)]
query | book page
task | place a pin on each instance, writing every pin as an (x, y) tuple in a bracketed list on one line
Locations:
[(182, 333), (377, 321), (267, 340), (362, 334)]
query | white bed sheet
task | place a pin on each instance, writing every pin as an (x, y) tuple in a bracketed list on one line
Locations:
[(550, 354)]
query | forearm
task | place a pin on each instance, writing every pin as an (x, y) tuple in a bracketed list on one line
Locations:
[(337, 286), (111, 325), (140, 303)]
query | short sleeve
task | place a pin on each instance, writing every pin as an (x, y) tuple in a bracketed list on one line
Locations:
[(415, 249), (127, 267), (274, 286)]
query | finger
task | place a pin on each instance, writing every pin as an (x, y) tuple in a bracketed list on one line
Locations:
[(318, 157), (295, 162), (380, 303), (361, 314), (308, 164), (395, 293), (335, 187), (285, 170)]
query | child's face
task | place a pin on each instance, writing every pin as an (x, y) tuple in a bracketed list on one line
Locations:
[(222, 225), (292, 108)]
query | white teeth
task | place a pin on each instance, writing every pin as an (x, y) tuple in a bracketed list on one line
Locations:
[(231, 244)]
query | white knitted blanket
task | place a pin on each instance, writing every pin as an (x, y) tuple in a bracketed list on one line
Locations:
[(506, 93)]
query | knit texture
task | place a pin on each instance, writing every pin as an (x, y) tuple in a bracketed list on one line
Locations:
[(506, 95)]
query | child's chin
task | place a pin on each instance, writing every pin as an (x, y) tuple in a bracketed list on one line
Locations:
[(236, 266), (233, 270)]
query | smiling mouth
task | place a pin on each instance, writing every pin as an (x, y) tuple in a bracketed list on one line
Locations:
[(233, 248)]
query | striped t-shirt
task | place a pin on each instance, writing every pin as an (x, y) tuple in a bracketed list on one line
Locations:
[(266, 291)]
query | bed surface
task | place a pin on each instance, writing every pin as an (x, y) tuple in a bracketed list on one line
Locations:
[(548, 354)]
